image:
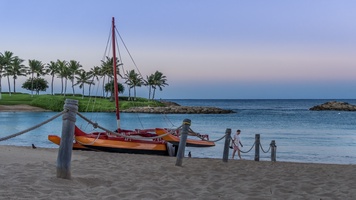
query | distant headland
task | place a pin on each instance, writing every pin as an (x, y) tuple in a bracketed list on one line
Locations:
[(334, 105), (174, 108)]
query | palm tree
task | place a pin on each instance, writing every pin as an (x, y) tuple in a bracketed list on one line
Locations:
[(7, 59), (94, 73), (150, 83), (82, 79), (109, 87), (53, 69), (107, 70), (36, 67), (66, 76), (159, 80), (2, 65), (62, 72), (16, 69), (133, 80), (73, 66)]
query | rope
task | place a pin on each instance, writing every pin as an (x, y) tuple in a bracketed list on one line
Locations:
[(240, 149), (248, 150), (192, 133), (220, 138), (82, 143), (264, 150), (34, 127)]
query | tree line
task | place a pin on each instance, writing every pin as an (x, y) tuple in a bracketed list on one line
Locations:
[(12, 66)]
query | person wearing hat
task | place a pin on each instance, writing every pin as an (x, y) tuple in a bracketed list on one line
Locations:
[(236, 141)]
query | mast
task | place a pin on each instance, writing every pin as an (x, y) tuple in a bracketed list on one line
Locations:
[(115, 75)]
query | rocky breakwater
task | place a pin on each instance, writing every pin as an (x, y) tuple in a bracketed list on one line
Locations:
[(177, 109), (334, 105)]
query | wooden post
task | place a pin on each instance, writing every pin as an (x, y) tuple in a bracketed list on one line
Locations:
[(273, 150), (183, 141), (66, 146), (257, 147), (227, 144)]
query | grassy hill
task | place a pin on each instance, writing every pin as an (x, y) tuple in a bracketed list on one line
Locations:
[(87, 104)]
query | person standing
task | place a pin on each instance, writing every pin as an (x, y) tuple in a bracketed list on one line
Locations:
[(236, 141)]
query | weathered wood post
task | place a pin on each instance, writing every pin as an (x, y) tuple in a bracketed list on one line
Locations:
[(257, 147), (183, 141), (227, 144), (273, 150), (66, 146)]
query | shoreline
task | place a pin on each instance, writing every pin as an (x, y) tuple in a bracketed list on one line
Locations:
[(22, 108), (153, 110), (31, 173)]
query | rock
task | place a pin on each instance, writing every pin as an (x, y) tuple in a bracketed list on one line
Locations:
[(334, 105), (178, 110), (169, 103)]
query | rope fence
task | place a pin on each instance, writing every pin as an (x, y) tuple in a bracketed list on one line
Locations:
[(257, 144), (249, 149)]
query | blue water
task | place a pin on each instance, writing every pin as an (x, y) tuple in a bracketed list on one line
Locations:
[(301, 135)]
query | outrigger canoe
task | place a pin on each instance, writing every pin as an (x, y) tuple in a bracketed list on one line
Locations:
[(103, 141), (174, 139)]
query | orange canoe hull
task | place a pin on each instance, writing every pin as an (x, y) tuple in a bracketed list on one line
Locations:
[(190, 142), (123, 146), (57, 140)]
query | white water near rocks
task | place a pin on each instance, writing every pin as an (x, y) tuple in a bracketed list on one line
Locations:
[(301, 135)]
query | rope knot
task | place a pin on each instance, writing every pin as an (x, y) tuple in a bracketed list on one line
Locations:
[(95, 125), (186, 123)]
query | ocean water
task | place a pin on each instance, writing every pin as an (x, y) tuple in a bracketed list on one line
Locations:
[(301, 135)]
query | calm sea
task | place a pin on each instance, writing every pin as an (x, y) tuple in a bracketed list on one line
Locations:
[(301, 135)]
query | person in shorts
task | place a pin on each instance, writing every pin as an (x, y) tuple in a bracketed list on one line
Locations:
[(236, 143)]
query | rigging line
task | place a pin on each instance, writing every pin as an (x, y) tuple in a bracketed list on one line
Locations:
[(118, 33), (120, 58), (107, 44), (88, 106), (167, 120), (95, 100), (92, 101), (128, 51), (137, 114), (106, 52), (139, 119)]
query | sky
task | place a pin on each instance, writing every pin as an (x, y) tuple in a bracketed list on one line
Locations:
[(207, 49)]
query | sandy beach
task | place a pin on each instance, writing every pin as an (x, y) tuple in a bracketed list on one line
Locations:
[(22, 108), (27, 173)]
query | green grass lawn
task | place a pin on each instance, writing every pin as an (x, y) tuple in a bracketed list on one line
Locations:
[(87, 104)]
